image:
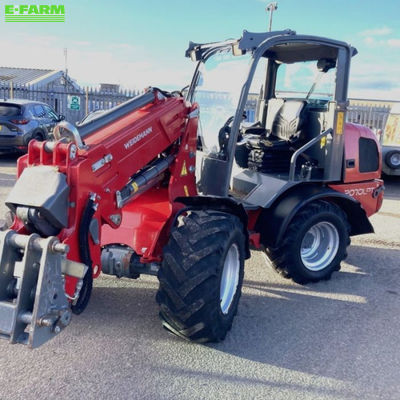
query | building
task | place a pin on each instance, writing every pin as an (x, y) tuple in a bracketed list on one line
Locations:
[(109, 88), (44, 85)]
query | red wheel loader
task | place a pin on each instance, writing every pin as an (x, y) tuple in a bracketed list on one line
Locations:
[(255, 153)]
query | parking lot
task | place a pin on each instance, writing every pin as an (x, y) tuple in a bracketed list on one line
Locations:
[(332, 340)]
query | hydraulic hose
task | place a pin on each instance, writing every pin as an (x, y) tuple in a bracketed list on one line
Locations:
[(84, 253)]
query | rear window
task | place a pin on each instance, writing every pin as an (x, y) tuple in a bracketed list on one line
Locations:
[(9, 110), (303, 80)]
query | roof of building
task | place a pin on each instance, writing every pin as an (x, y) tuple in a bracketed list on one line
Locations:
[(31, 76), (24, 76)]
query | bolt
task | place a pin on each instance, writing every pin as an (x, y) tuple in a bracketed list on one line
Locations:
[(60, 248), (116, 218), (65, 318), (45, 321), (57, 329)]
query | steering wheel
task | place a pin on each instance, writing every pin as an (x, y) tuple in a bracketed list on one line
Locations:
[(225, 132)]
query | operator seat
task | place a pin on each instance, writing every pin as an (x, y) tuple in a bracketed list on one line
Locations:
[(285, 118), (270, 149)]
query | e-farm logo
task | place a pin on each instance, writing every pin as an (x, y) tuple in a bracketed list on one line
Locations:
[(34, 13)]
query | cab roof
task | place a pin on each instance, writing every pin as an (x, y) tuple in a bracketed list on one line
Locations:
[(290, 47)]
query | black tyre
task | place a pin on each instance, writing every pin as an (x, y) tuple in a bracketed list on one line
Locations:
[(201, 276), (392, 159), (38, 135), (314, 245)]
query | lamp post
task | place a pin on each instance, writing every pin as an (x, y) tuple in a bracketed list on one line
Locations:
[(66, 60), (271, 7)]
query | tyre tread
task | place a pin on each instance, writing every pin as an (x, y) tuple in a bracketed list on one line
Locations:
[(189, 272)]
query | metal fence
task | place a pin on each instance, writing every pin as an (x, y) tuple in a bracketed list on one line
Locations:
[(65, 101), (372, 114)]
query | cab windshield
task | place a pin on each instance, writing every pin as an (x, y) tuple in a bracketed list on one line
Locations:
[(220, 81)]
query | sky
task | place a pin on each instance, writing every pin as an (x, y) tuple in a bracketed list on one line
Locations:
[(142, 43)]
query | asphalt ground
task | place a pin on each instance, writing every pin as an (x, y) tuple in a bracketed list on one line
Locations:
[(331, 340)]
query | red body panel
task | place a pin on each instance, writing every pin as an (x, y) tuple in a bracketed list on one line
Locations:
[(361, 186), (365, 193), (144, 220), (142, 223)]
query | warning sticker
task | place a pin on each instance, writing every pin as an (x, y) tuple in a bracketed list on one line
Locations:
[(340, 123), (184, 169)]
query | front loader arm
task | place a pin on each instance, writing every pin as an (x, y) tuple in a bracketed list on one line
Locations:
[(66, 193)]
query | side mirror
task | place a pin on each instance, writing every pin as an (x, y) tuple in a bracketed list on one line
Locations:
[(61, 118), (325, 64)]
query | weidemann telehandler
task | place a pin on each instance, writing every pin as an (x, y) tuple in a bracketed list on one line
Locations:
[(119, 194)]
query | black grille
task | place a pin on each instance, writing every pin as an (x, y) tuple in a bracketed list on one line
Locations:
[(369, 155)]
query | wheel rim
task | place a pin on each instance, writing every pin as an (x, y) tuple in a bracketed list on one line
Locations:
[(395, 159), (319, 246), (230, 278)]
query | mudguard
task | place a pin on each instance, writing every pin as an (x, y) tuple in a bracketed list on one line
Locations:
[(273, 222)]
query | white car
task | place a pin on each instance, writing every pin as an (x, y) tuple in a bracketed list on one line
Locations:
[(390, 141)]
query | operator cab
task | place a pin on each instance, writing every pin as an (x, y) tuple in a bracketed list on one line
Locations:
[(272, 110), (294, 114)]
